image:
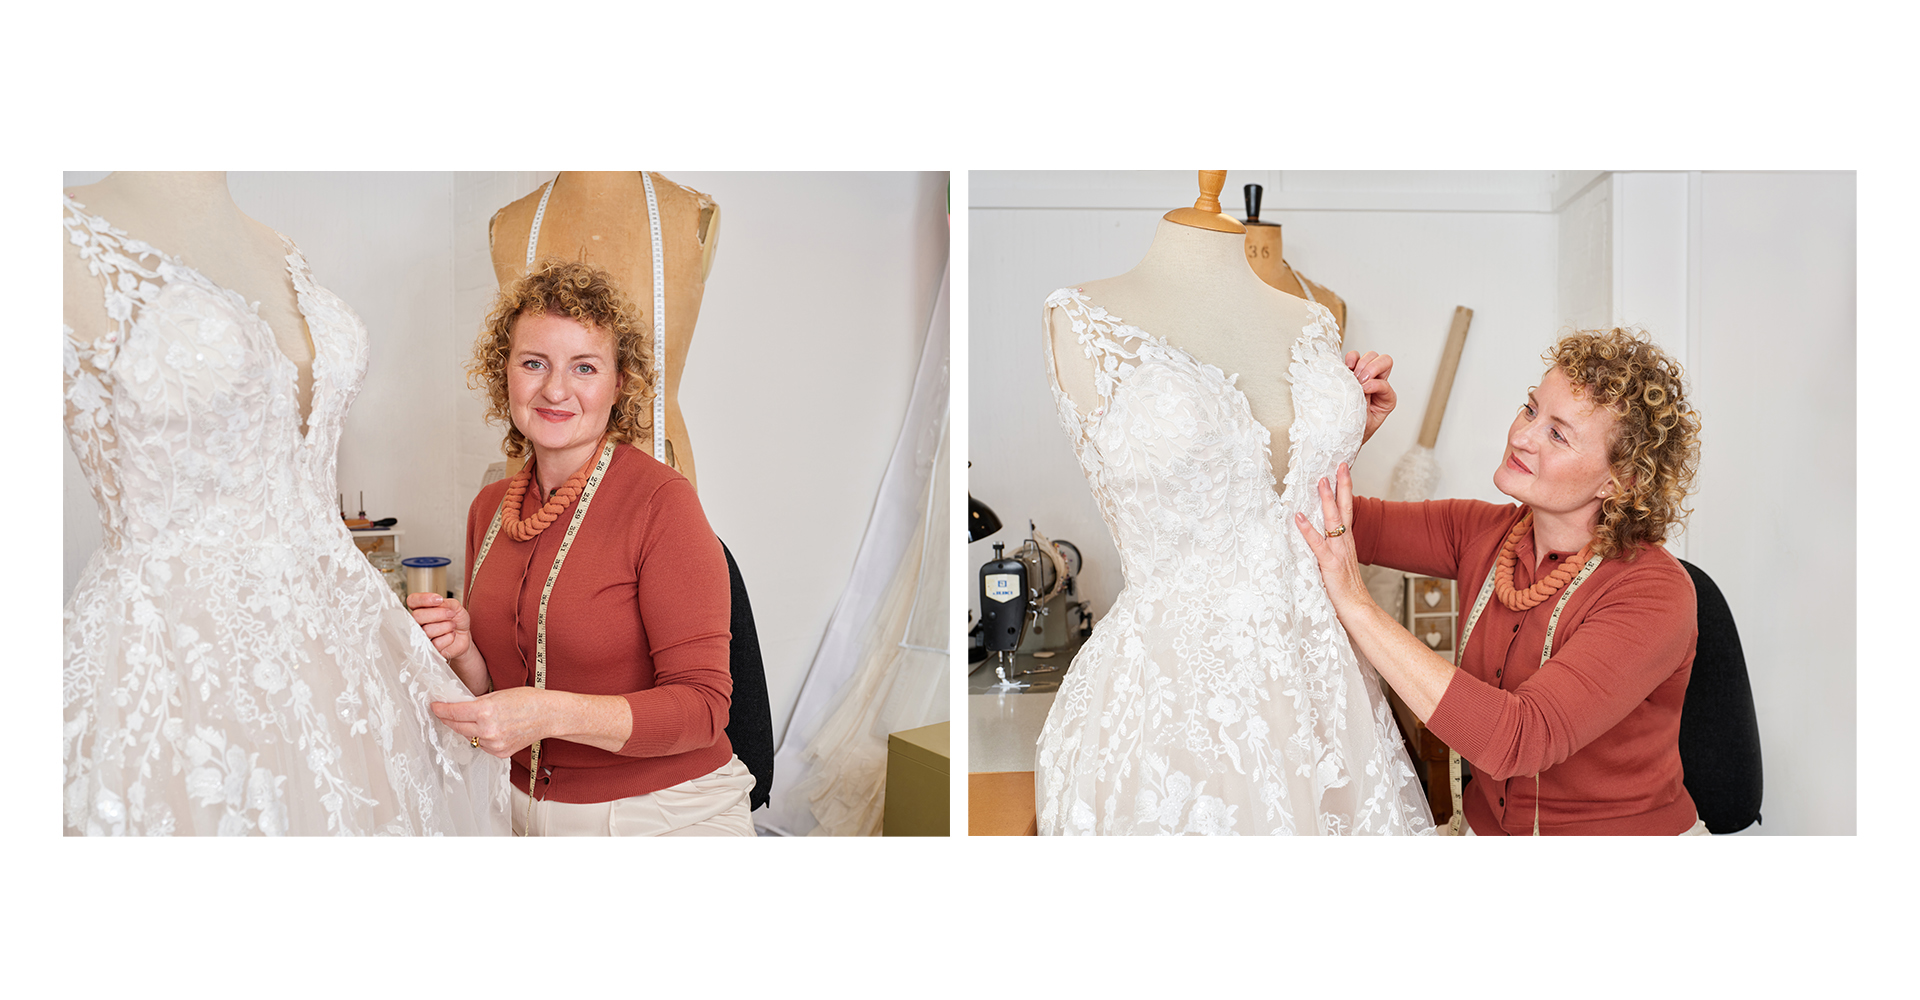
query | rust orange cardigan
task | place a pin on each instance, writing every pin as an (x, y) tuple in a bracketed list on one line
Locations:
[(1600, 721), (641, 610)]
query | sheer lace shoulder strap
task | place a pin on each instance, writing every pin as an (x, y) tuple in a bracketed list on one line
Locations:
[(131, 274), (1323, 330), (297, 270), (1103, 339)]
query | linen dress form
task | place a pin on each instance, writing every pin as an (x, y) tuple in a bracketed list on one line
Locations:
[(1219, 695), (233, 664)]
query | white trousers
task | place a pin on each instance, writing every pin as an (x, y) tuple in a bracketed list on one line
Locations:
[(712, 805), (1698, 829)]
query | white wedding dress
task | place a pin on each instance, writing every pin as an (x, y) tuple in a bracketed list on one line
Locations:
[(234, 665), (1219, 695)]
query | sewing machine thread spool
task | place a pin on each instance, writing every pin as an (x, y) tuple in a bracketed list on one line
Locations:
[(427, 574)]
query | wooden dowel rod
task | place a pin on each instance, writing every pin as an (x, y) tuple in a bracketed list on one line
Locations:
[(1443, 379)]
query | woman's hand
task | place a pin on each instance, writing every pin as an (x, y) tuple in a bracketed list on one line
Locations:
[(510, 719), (445, 621), (505, 722), (1418, 674), (1371, 370), (1339, 560), (450, 626)]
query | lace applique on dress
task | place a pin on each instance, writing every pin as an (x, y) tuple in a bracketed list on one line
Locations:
[(1219, 695), (233, 664)]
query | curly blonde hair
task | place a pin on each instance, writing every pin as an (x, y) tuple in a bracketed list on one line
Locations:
[(586, 294), (1654, 450)]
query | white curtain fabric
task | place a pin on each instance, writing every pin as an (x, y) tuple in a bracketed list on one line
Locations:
[(900, 681), (876, 669)]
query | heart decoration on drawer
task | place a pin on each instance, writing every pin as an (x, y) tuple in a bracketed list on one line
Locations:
[(1435, 638), (1433, 596)]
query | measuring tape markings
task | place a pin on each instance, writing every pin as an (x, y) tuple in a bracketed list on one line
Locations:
[(546, 592), (1457, 824)]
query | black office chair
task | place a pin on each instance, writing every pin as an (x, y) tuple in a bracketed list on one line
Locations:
[(750, 719), (1719, 732)]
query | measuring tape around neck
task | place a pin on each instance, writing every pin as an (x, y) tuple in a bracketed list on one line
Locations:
[(546, 592), (659, 304), (1457, 825)]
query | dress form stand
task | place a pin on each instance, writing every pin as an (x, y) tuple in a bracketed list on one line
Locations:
[(1194, 288), (191, 217), (1263, 255), (601, 218)]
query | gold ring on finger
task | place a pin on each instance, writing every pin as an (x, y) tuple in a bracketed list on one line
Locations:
[(1337, 532), (475, 740)]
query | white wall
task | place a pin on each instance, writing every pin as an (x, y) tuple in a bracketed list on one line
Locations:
[(795, 386), (1776, 356), (1748, 278)]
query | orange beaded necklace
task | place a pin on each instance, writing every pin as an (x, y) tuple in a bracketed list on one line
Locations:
[(520, 530), (1543, 589)]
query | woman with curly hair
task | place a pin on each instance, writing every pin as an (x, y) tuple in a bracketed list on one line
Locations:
[(595, 625), (1575, 656)]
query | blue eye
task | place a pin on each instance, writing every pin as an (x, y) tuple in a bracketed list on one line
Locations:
[(532, 364)]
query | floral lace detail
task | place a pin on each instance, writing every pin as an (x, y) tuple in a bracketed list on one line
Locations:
[(1219, 695), (233, 663)]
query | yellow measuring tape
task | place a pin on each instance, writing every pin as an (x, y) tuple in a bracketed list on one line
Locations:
[(1457, 825), (540, 625)]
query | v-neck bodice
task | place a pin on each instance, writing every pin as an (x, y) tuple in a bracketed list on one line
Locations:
[(1219, 694), (172, 406), (1172, 451)]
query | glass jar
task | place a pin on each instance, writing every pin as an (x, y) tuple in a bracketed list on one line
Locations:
[(388, 563)]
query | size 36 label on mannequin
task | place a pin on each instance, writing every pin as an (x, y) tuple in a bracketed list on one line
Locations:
[(1003, 587)]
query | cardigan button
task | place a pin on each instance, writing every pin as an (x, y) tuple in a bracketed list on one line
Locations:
[(1503, 801), (1516, 628)]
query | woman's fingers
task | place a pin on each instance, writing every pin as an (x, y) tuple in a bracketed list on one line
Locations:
[(1314, 542), (428, 616), (1329, 505), (1375, 366), (471, 712), (1345, 494), (504, 721)]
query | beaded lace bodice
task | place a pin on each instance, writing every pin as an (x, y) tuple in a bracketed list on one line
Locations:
[(233, 663), (1219, 694)]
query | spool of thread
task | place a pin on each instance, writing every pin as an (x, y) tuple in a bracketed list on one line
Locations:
[(426, 574)]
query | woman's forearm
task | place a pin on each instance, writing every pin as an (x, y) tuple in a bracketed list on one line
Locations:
[(1417, 674), (471, 668), (603, 721)]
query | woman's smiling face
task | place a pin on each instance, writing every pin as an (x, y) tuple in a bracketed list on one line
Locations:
[(1556, 459), (562, 381)]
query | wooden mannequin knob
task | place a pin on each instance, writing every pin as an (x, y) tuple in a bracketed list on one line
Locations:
[(1211, 181), (1205, 213)]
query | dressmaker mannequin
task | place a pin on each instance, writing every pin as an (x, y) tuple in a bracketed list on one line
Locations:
[(191, 217), (1263, 255), (1195, 290), (601, 217)]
